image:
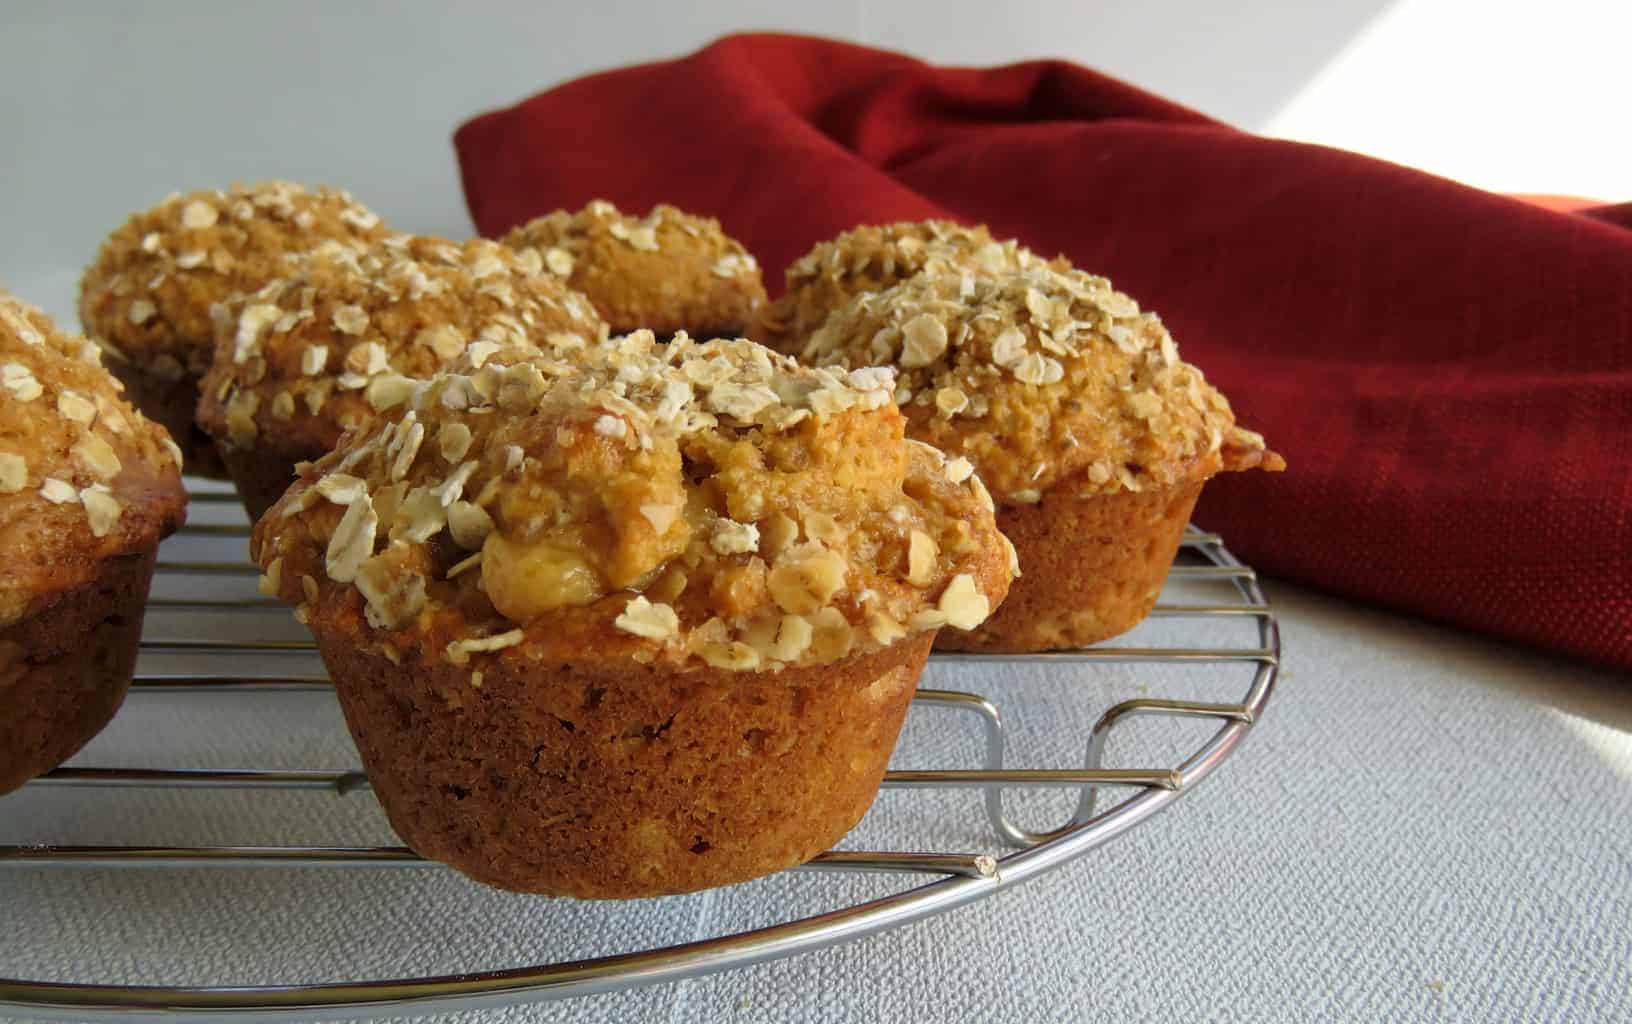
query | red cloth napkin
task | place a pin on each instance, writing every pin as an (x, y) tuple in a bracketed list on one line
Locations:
[(1448, 372)]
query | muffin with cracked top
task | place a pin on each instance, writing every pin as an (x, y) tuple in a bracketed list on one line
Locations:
[(88, 488), (636, 624), (668, 271), (341, 337), (148, 296), (1074, 407)]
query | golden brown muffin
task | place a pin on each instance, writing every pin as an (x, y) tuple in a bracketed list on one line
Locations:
[(872, 258), (88, 488), (1076, 410), (147, 297), (341, 338), (668, 271), (637, 626)]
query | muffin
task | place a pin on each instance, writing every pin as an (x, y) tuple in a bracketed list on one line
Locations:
[(88, 488), (147, 297), (871, 258), (638, 626), (339, 338), (1075, 409), (668, 271)]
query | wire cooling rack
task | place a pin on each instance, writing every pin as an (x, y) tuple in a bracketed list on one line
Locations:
[(927, 882)]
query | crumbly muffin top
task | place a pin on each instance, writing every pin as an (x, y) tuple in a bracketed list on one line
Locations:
[(1040, 376), (342, 337), (148, 295), (871, 258), (691, 502), (668, 271), (83, 476)]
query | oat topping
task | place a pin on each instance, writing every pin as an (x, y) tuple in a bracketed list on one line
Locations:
[(873, 258), (345, 335), (1037, 376), (746, 512), (81, 473), (150, 291), (667, 271)]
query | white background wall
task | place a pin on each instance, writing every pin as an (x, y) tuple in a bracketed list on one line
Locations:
[(105, 108)]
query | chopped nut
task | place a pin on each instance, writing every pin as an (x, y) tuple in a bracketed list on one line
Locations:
[(645, 619), (884, 629), (959, 469), (807, 580), (822, 527), (831, 635), (141, 311)]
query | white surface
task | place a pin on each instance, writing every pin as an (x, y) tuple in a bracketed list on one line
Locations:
[(1427, 826), (1424, 827)]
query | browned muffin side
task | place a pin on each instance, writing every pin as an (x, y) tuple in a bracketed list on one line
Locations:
[(668, 271), (1075, 409), (343, 335), (633, 624), (88, 488), (148, 296)]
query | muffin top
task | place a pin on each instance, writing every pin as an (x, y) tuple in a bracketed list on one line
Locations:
[(668, 271), (83, 476), (1041, 376), (149, 293), (690, 503), (871, 258), (337, 340)]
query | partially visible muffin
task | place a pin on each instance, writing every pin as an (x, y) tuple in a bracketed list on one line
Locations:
[(147, 298), (871, 258), (668, 271), (1075, 409), (88, 488), (342, 335), (634, 625)]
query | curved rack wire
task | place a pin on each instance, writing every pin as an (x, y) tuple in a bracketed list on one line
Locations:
[(957, 878)]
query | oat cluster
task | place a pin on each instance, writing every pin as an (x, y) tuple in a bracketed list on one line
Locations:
[(345, 334), (872, 258), (78, 466), (1041, 376), (668, 271), (148, 295), (709, 502)]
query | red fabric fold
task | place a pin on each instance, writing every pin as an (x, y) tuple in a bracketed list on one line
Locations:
[(1449, 372)]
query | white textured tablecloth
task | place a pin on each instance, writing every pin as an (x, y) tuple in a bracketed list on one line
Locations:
[(1425, 826)]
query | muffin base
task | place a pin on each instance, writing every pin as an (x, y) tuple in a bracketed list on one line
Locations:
[(1091, 567), (65, 668), (261, 475), (611, 779), (172, 404)]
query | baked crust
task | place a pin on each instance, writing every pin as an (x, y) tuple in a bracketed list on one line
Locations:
[(343, 335), (148, 295), (667, 272)]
